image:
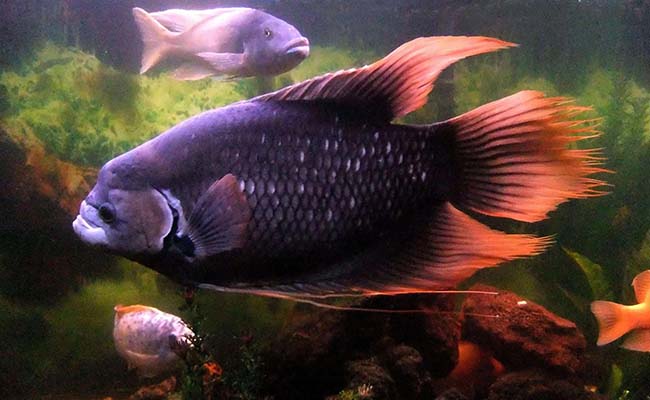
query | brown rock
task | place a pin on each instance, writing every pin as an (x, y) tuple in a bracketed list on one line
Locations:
[(536, 385), (307, 358), (39, 198), (371, 374), (434, 334), (320, 351), (36, 181), (523, 334), (407, 368)]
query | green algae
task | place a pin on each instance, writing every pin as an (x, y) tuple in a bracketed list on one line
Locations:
[(87, 113)]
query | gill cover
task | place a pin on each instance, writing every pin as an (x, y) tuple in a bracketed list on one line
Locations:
[(143, 219)]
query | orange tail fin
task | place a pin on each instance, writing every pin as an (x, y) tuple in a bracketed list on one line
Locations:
[(613, 321), (513, 159)]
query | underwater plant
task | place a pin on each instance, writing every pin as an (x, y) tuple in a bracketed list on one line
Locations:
[(87, 113)]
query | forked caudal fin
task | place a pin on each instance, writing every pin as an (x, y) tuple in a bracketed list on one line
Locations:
[(613, 321), (512, 158), (154, 39)]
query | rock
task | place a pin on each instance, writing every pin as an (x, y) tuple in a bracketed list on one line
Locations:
[(407, 368), (371, 374), (159, 391), (39, 199), (537, 385), (476, 370), (38, 183), (320, 351), (451, 394), (306, 359), (523, 334), (434, 334)]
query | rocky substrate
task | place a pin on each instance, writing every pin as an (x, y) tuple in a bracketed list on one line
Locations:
[(499, 347)]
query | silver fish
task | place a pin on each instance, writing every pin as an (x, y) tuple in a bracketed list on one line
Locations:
[(233, 42), (146, 338), (313, 190)]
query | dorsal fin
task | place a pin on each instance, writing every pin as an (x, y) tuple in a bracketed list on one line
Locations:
[(121, 310), (641, 284), (395, 85)]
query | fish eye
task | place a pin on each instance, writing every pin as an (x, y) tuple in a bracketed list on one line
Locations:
[(107, 213), (268, 33)]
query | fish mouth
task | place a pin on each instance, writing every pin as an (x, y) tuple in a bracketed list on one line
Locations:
[(298, 46), (86, 230)]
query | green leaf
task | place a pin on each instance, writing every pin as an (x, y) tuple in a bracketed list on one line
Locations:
[(614, 383), (600, 287)]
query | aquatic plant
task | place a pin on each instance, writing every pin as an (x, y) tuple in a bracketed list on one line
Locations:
[(360, 393), (593, 273), (244, 377), (87, 113)]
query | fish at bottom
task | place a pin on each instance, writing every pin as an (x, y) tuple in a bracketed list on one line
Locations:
[(149, 339), (616, 320), (313, 191)]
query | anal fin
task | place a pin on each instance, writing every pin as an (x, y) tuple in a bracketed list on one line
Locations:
[(219, 220), (225, 63), (190, 71), (638, 340), (434, 255)]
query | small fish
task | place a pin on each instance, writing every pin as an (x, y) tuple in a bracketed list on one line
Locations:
[(615, 320), (312, 191), (146, 337), (235, 42)]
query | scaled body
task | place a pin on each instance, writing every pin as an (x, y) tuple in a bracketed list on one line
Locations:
[(145, 337), (233, 42), (313, 191)]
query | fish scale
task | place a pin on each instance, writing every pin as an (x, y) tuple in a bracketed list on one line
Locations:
[(337, 181), (313, 191)]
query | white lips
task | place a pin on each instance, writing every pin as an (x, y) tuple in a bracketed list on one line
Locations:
[(92, 235), (302, 50)]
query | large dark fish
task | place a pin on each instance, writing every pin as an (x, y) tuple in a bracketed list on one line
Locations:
[(235, 42), (312, 191)]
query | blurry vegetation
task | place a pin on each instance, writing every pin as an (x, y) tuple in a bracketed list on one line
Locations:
[(88, 113), (360, 393)]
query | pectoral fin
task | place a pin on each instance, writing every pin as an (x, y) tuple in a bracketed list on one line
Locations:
[(146, 364), (220, 219), (192, 72), (225, 63)]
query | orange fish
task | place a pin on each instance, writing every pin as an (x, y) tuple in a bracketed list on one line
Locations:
[(475, 364), (615, 320)]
